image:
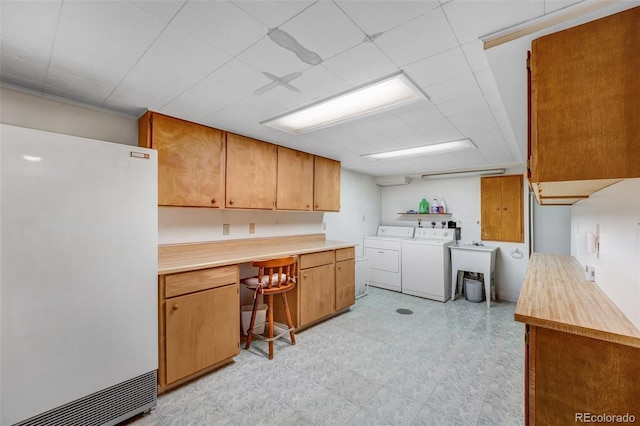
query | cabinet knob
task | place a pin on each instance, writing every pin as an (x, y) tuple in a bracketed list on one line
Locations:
[(308, 206), (339, 268), (175, 307), (505, 209), (213, 201), (304, 275), (231, 202), (317, 206)]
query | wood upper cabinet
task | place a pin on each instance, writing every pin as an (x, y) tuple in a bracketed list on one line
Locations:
[(251, 173), (191, 160), (585, 108), (295, 180), (326, 189), (501, 208)]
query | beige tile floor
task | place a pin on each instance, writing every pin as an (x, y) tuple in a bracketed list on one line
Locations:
[(454, 363)]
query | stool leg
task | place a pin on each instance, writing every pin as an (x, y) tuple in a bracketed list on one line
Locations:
[(288, 315), (270, 315), (251, 323)]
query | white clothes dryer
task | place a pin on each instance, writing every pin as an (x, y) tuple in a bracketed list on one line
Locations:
[(384, 253)]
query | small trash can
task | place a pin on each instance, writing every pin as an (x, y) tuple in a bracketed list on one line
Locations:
[(261, 317), (473, 290)]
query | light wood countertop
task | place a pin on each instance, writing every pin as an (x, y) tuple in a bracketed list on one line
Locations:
[(188, 257), (556, 295)]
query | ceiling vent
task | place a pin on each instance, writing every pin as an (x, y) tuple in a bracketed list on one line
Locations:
[(392, 180)]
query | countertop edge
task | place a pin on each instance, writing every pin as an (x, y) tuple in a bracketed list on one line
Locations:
[(232, 259)]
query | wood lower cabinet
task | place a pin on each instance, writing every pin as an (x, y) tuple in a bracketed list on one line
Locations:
[(191, 160), (585, 108), (326, 189), (501, 205), (295, 180), (199, 323), (345, 278), (567, 375), (251, 173)]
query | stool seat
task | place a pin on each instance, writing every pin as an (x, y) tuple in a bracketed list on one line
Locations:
[(275, 276)]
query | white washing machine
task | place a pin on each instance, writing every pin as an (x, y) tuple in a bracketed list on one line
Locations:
[(426, 263), (384, 253)]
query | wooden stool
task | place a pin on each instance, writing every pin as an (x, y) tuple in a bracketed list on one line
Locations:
[(275, 276)]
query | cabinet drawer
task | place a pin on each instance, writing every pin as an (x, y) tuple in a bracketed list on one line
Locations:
[(312, 260), (189, 282), (345, 253)]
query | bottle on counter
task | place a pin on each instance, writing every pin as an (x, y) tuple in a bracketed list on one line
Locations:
[(443, 206), (435, 206)]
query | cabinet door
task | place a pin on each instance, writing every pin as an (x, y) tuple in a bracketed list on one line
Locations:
[(317, 293), (251, 173), (295, 180), (586, 101), (326, 187), (201, 329), (345, 283), (501, 208), (191, 161)]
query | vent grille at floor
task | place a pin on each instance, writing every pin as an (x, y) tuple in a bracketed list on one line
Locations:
[(106, 407)]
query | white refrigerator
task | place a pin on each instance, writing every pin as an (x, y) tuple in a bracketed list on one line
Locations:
[(78, 279)]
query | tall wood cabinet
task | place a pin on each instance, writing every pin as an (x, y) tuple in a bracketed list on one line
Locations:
[(345, 278), (199, 327), (326, 189), (251, 173), (295, 180), (585, 108), (191, 160), (502, 203)]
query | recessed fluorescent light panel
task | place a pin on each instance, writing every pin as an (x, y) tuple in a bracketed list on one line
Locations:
[(386, 93), (436, 148)]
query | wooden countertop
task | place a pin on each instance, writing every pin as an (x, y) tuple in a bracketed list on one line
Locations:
[(556, 295), (174, 258)]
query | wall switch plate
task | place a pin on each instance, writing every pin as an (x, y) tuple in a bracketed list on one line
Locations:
[(252, 228), (226, 229), (324, 226)]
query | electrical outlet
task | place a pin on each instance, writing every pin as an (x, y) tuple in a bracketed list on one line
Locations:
[(226, 229), (364, 219), (252, 228), (324, 226)]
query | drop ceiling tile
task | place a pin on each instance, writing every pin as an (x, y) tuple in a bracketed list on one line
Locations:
[(553, 5), (439, 68), (379, 16), (438, 131), (134, 104), (463, 105), (273, 13), (421, 115), (469, 158), (165, 9), (266, 56), (472, 20), (361, 64), (76, 87), (319, 83), (228, 85), (417, 39), (497, 155), (174, 63), (324, 29), (221, 24), (457, 88), (476, 56), (476, 121), (102, 40), (28, 29)]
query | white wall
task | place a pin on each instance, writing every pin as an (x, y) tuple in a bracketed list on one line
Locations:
[(360, 210), (462, 197), (36, 112), (551, 229), (617, 210)]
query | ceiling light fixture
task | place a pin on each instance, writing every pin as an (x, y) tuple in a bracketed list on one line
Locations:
[(467, 173), (436, 148), (388, 92)]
